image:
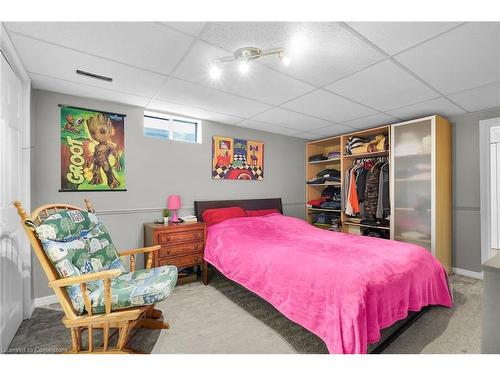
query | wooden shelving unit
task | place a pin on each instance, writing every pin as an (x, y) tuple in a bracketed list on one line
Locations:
[(313, 191), (323, 146)]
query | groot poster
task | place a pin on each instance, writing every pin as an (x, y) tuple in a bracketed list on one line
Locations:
[(92, 150)]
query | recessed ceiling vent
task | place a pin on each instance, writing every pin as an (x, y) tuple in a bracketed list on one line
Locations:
[(92, 75)]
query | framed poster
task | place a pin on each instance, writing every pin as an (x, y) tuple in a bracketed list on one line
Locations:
[(237, 159), (92, 150)]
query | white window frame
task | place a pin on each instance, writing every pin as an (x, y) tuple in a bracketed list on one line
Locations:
[(170, 120)]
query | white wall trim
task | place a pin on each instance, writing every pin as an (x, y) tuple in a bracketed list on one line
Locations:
[(474, 274), (44, 301), (484, 181), (142, 210)]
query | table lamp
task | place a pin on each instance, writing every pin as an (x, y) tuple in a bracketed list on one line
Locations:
[(174, 203)]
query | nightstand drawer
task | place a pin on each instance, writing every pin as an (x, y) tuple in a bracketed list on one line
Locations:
[(195, 235), (183, 261), (181, 249)]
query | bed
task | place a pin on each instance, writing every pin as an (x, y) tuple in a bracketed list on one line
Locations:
[(344, 288)]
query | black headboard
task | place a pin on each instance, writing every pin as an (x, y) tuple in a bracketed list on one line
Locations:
[(246, 204)]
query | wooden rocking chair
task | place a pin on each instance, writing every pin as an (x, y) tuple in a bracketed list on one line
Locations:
[(121, 321)]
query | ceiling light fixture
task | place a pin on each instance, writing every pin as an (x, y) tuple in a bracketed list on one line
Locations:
[(285, 60), (244, 56), (244, 67), (215, 72)]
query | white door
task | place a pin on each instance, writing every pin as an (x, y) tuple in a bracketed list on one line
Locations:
[(495, 189), (494, 193), (12, 266)]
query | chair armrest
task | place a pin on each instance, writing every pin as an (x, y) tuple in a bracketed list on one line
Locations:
[(82, 279), (139, 251), (131, 253)]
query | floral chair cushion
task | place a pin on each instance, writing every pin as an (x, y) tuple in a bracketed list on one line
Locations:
[(77, 243), (139, 288)]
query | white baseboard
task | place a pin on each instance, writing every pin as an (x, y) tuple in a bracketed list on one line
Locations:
[(474, 274), (44, 301)]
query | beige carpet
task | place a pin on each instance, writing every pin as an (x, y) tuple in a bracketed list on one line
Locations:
[(225, 318), (203, 320)]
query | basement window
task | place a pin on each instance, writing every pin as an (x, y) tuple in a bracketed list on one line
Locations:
[(173, 128)]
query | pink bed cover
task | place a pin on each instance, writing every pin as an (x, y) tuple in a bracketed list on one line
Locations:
[(344, 288)]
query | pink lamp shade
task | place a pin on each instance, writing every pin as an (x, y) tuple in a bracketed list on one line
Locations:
[(174, 203)]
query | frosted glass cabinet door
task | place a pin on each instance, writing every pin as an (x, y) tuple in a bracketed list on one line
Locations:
[(412, 179)]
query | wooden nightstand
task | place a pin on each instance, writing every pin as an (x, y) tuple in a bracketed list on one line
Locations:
[(182, 244)]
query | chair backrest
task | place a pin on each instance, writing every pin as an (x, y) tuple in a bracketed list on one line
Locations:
[(37, 217)]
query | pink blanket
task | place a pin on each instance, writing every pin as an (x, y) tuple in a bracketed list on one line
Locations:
[(344, 288)]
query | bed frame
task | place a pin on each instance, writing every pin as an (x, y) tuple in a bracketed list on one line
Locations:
[(389, 334), (246, 204)]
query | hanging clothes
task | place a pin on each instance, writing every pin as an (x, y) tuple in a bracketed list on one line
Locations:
[(345, 190), (371, 191), (352, 199), (365, 193), (383, 205)]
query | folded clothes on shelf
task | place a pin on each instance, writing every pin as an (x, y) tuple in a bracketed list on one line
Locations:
[(330, 174), (333, 155), (315, 203), (325, 176), (324, 218), (376, 222), (316, 181), (330, 192), (334, 204), (358, 145), (317, 157)]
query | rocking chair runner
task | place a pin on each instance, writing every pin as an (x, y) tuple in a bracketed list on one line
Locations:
[(123, 320)]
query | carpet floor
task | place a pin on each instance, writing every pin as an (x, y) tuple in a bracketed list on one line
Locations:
[(225, 318)]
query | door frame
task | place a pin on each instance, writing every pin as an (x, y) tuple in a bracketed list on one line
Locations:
[(484, 181), (9, 53)]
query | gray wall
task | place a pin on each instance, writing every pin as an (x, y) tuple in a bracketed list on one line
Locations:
[(158, 168), (155, 169), (466, 193)]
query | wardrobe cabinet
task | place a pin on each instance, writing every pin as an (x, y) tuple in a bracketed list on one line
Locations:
[(419, 156), (421, 185)]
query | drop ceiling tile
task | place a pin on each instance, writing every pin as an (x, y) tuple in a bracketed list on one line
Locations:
[(191, 28), (373, 121), (383, 86), (78, 89), (58, 62), (187, 111), (394, 37), (438, 106), (335, 129), (191, 94), (321, 52), (479, 98), (143, 44), (461, 59), (260, 83), (309, 136), (289, 119), (328, 106), (262, 126)]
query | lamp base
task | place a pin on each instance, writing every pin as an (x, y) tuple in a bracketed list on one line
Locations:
[(175, 219)]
